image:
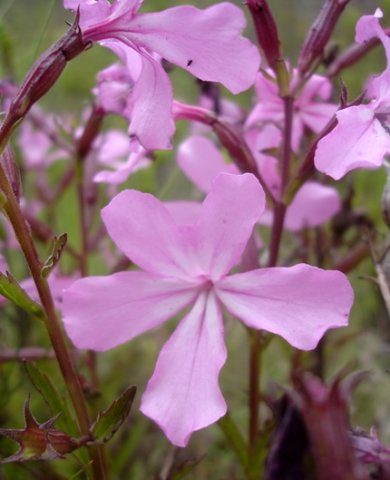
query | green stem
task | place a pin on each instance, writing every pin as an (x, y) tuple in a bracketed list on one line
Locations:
[(254, 386), (276, 237), (52, 324), (235, 439)]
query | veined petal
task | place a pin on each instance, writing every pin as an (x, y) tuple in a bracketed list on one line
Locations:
[(183, 394), (299, 303), (206, 42), (100, 313), (144, 230), (151, 117), (358, 141), (201, 161), (226, 221)]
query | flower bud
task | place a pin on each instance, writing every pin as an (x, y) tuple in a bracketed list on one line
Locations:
[(44, 74), (320, 33), (11, 169), (324, 410), (352, 55), (266, 31), (40, 441)]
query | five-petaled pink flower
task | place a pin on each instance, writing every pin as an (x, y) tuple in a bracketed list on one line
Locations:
[(188, 266), (361, 137), (207, 43)]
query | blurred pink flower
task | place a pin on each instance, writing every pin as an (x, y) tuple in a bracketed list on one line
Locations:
[(207, 43), (188, 266), (114, 153), (313, 205), (311, 109), (361, 137)]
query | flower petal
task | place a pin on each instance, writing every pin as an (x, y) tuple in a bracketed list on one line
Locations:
[(151, 117), (143, 229), (207, 43), (95, 15), (269, 107), (317, 115), (201, 161), (183, 394), (100, 313), (316, 87), (357, 141), (313, 205), (184, 212), (228, 215), (299, 303)]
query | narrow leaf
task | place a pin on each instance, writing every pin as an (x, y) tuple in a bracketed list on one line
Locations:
[(52, 398), (56, 251), (235, 439), (185, 469), (10, 289), (110, 420)]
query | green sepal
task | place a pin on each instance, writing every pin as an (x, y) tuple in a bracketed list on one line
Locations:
[(11, 289), (55, 255), (111, 419)]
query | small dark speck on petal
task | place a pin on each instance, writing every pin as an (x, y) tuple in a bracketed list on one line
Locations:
[(189, 63)]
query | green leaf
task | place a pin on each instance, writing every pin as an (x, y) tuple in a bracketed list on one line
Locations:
[(185, 469), (110, 420), (52, 398), (10, 289), (235, 439), (56, 251)]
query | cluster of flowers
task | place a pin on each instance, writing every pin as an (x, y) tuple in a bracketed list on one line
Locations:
[(186, 250)]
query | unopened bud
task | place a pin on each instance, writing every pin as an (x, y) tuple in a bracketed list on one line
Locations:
[(45, 72), (266, 31), (11, 169), (319, 33), (234, 143), (351, 55), (40, 441)]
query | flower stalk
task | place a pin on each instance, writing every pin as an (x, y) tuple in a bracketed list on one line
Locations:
[(23, 235)]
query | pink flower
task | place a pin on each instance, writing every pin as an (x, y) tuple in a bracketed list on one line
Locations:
[(113, 151), (188, 266), (311, 110), (207, 43), (113, 90), (313, 205), (361, 137), (38, 150)]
